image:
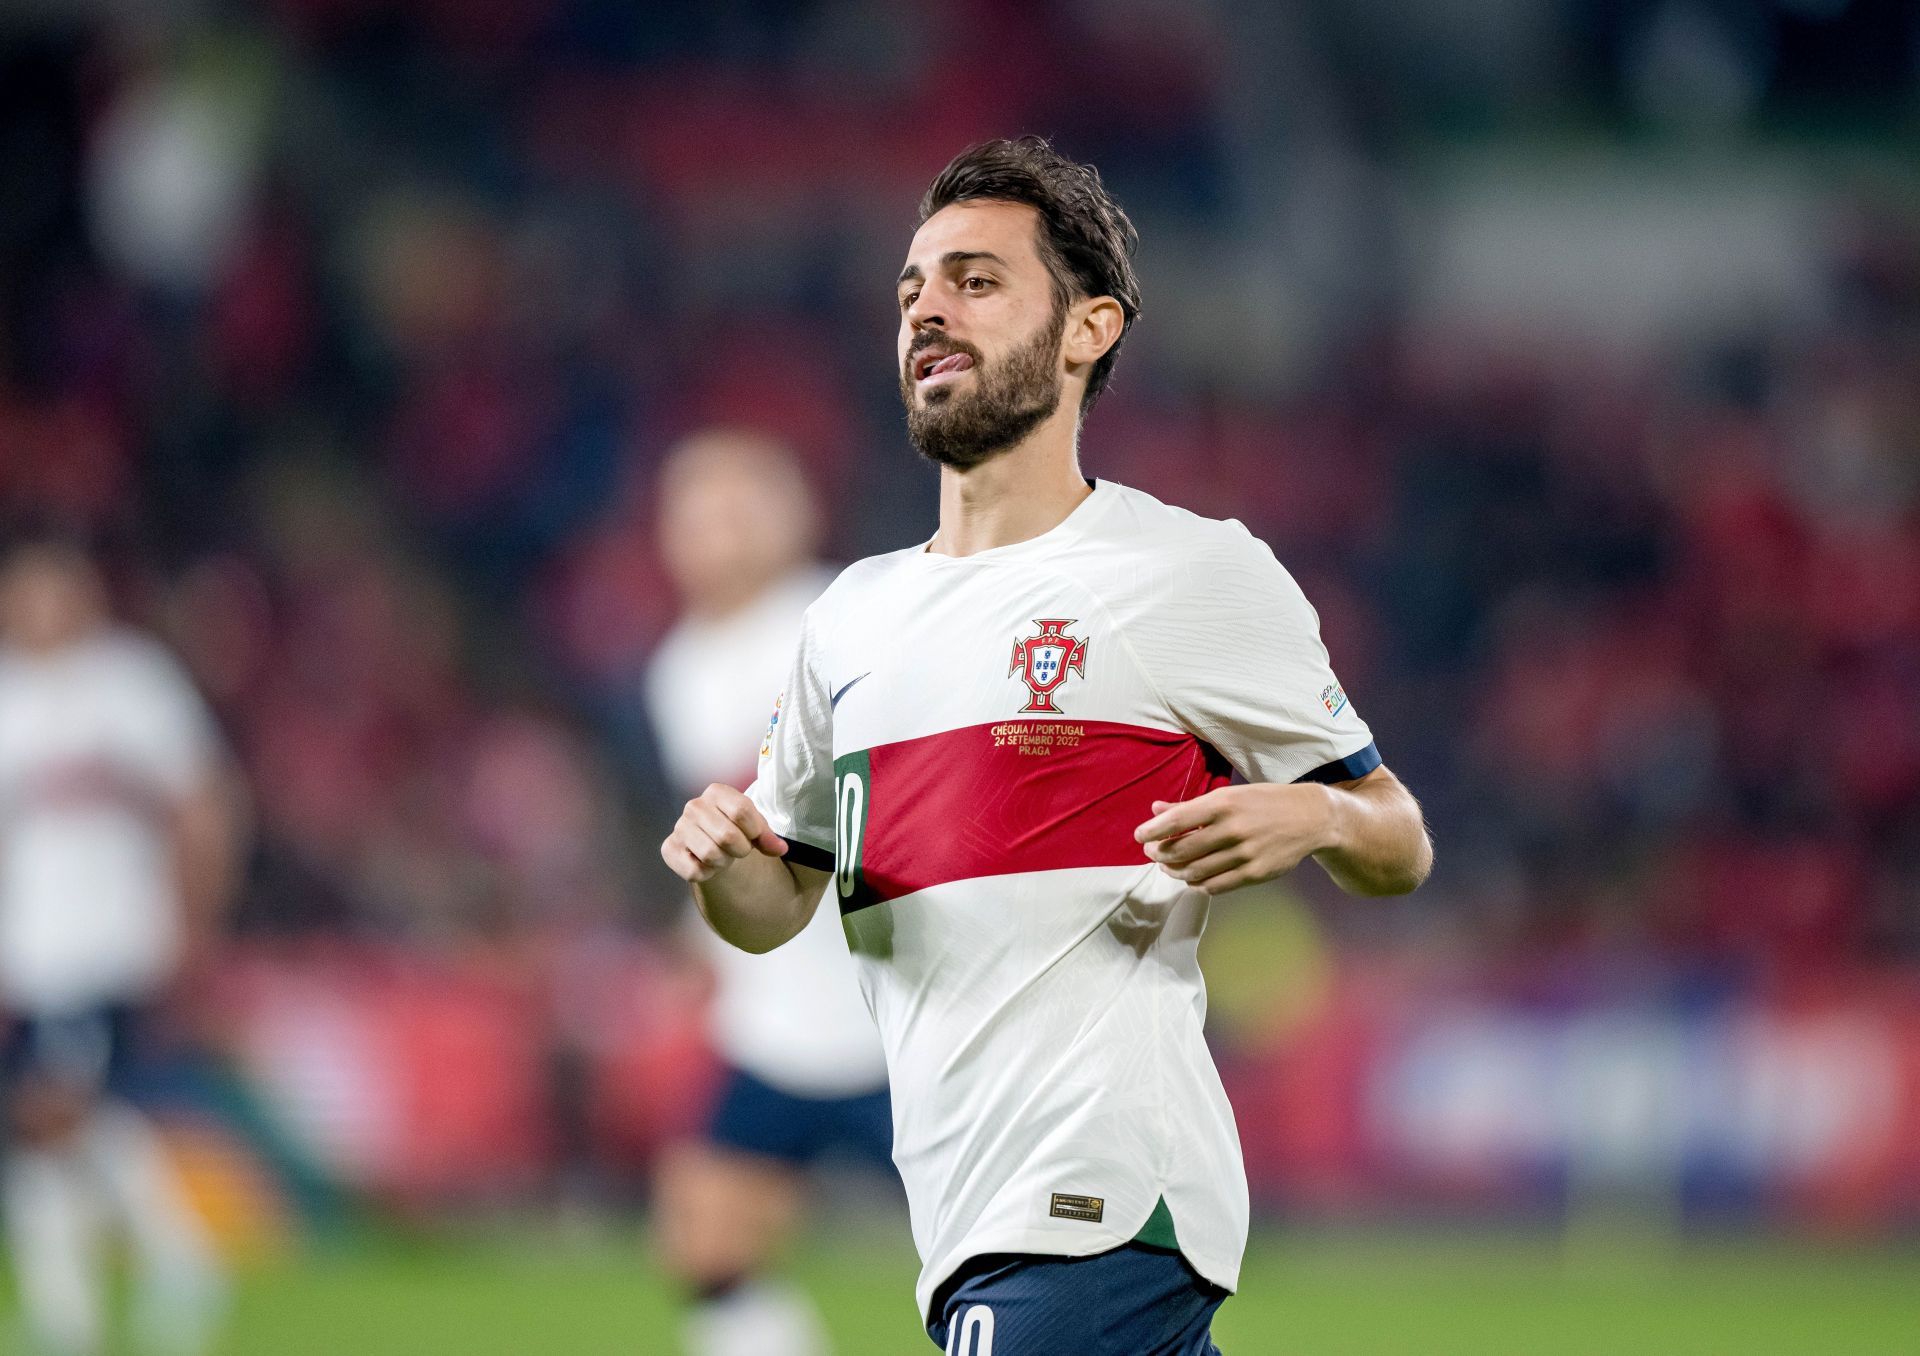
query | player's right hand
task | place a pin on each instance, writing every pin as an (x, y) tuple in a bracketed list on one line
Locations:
[(717, 828)]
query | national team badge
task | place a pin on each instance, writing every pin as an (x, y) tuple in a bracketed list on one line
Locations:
[(1042, 661)]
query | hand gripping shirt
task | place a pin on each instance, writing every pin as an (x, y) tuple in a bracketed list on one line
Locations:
[(968, 745)]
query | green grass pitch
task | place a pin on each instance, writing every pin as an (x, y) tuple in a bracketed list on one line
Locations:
[(1309, 1294)]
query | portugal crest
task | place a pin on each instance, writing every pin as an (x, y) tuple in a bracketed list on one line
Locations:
[(1042, 661)]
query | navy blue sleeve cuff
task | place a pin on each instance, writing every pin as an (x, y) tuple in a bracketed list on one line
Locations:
[(1351, 768), (806, 854)]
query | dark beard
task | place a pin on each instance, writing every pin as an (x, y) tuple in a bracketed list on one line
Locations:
[(1014, 397)]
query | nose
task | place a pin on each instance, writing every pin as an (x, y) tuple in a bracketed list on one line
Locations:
[(925, 313)]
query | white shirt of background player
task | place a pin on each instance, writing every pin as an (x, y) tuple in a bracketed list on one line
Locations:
[(793, 1017), (98, 741)]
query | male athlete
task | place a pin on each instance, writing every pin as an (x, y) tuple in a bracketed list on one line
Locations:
[(805, 1072), (1005, 757), (119, 844)]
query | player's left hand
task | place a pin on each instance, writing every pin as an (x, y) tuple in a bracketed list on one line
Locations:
[(1238, 835)]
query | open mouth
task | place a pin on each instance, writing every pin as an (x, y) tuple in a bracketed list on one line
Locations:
[(934, 365)]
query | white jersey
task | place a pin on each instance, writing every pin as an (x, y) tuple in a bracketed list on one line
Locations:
[(969, 744), (96, 743), (793, 1017)]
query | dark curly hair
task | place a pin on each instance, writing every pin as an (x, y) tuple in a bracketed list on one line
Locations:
[(1086, 241)]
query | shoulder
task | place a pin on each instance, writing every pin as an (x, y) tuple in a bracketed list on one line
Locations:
[(1174, 555), (855, 585), (125, 655), (1141, 523), (772, 617), (136, 675), (797, 591), (678, 650)]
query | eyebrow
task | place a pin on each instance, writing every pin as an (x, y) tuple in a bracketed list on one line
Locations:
[(912, 273)]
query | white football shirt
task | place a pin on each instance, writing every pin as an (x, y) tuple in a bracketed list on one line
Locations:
[(96, 742), (794, 1017), (969, 744)]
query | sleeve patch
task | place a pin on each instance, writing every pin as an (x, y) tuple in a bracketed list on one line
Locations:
[(773, 724)]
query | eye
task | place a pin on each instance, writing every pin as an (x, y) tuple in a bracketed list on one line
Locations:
[(976, 284), (908, 298)]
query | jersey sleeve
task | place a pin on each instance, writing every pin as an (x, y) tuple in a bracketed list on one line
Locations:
[(1235, 653), (794, 784)]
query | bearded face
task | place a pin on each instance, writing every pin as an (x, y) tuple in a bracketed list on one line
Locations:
[(963, 408)]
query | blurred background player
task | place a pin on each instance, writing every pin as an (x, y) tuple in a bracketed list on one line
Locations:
[(117, 850), (805, 1073)]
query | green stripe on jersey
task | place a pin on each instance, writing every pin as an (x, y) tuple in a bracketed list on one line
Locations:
[(1158, 1232), (852, 804)]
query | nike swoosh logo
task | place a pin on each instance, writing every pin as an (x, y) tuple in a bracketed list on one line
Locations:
[(848, 688)]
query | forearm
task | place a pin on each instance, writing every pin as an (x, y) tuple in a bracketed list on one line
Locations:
[(758, 903), (209, 831), (1376, 840)]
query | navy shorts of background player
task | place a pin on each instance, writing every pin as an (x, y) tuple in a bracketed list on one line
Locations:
[(90, 1051), (755, 1117), (1137, 1300)]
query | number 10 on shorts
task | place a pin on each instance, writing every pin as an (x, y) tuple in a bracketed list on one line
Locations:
[(972, 1333)]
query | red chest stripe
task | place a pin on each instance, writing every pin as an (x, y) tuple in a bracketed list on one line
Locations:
[(1019, 795)]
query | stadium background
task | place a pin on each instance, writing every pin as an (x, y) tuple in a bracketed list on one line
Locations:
[(1568, 352)]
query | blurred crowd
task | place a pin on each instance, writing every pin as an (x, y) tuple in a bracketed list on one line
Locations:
[(355, 333)]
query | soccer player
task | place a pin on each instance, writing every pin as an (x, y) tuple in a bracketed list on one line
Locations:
[(805, 1074), (117, 849), (1004, 758)]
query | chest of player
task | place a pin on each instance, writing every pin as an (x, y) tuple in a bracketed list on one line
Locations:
[(983, 648), (992, 725), (67, 747)]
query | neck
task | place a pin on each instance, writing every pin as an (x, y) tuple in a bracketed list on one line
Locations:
[(1015, 496)]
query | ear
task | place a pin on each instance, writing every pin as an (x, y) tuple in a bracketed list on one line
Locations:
[(1093, 326)]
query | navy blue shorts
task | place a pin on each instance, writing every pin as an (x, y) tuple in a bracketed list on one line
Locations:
[(757, 1118), (1134, 1301), (91, 1051)]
